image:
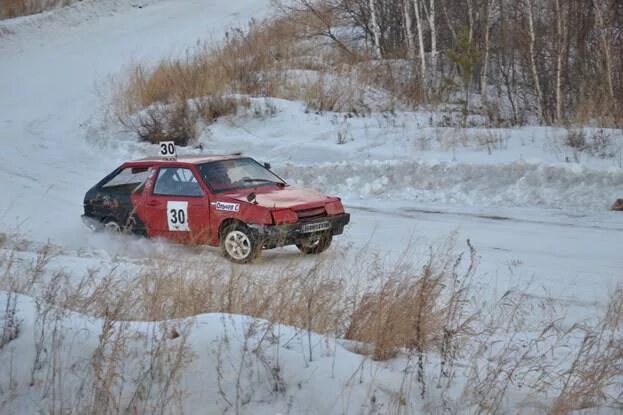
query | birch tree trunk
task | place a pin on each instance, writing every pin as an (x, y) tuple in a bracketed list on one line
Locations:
[(561, 35), (420, 36), (470, 19), (376, 30), (535, 74), (409, 29), (485, 64), (433, 34), (449, 22), (605, 45)]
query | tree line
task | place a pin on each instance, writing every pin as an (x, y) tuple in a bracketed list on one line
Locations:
[(557, 59)]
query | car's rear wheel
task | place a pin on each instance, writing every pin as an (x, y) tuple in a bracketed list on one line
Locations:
[(239, 244), (111, 225), (315, 243)]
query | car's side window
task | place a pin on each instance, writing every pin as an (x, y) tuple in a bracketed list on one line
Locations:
[(127, 180), (177, 181)]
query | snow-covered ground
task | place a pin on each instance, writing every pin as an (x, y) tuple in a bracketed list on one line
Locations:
[(534, 209)]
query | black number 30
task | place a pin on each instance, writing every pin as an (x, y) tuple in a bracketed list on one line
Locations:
[(178, 216), (167, 148)]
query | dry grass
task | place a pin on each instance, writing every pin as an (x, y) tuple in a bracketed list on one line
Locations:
[(276, 58), (242, 64), (320, 297), (417, 311), (400, 309), (597, 365), (15, 8)]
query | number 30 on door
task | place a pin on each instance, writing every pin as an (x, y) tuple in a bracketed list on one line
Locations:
[(177, 216)]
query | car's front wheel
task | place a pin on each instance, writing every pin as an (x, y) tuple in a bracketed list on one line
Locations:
[(315, 243), (239, 244)]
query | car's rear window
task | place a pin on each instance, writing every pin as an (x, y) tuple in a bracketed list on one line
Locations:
[(127, 179)]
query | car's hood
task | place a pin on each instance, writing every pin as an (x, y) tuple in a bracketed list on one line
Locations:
[(286, 197)]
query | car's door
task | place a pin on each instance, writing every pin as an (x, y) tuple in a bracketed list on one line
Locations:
[(176, 206)]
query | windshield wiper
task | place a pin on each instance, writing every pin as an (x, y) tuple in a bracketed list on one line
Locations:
[(249, 180)]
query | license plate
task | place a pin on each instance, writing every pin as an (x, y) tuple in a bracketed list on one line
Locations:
[(316, 227)]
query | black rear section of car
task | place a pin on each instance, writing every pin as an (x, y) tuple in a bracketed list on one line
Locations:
[(112, 203)]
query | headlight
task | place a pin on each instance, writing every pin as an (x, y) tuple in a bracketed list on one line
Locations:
[(334, 208), (284, 216)]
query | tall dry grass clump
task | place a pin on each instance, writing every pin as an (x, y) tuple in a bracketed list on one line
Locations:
[(417, 311), (15, 8), (284, 57), (241, 64)]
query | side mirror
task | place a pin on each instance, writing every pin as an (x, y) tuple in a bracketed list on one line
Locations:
[(267, 166)]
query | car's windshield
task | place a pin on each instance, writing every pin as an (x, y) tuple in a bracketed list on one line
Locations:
[(235, 174)]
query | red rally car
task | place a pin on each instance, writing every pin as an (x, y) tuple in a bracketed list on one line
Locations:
[(231, 201)]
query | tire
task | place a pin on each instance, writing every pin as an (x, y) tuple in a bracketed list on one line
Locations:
[(110, 225), (315, 243), (238, 243)]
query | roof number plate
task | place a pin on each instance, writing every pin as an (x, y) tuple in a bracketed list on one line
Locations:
[(315, 227), (167, 150)]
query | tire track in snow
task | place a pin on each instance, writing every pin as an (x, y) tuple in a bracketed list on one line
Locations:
[(414, 213)]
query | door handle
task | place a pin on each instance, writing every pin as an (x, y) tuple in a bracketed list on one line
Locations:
[(153, 203)]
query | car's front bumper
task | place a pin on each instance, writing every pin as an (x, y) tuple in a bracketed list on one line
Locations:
[(280, 235)]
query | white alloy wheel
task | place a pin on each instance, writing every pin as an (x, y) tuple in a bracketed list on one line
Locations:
[(238, 245)]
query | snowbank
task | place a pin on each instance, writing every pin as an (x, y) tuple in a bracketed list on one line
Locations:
[(515, 184), (211, 363)]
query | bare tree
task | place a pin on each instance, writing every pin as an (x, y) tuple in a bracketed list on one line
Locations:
[(561, 40), (489, 8), (432, 24), (535, 73), (420, 36), (376, 30), (406, 4), (605, 41)]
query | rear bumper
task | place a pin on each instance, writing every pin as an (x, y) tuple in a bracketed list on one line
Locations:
[(91, 223), (280, 235)]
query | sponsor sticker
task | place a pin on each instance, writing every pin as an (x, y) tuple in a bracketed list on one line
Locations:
[(227, 207)]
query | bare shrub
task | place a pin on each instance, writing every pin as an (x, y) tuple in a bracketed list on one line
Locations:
[(576, 138), (492, 140), (212, 108), (601, 144), (597, 143), (174, 122)]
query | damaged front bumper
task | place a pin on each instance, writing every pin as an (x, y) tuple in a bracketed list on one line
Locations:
[(281, 235)]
